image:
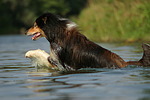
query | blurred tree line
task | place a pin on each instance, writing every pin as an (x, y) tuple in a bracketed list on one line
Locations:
[(17, 15), (101, 20), (116, 20)]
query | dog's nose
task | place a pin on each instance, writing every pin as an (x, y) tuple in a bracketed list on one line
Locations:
[(26, 32)]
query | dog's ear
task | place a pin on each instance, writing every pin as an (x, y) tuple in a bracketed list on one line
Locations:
[(44, 20)]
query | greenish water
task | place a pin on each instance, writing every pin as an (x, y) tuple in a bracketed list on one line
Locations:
[(20, 81)]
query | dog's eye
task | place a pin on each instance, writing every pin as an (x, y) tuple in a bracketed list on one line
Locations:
[(35, 25)]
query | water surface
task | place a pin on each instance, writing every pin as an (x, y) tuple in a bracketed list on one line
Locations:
[(20, 81)]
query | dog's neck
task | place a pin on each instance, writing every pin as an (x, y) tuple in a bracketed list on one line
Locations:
[(59, 33), (67, 39)]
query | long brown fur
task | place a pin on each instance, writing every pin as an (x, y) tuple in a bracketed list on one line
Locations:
[(71, 49)]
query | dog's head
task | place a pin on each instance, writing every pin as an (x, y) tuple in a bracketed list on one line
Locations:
[(50, 26)]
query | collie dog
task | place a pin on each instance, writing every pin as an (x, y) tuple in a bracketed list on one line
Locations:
[(71, 50)]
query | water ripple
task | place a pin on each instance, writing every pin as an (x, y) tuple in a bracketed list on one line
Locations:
[(20, 81)]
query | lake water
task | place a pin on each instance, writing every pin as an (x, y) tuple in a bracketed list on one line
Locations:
[(20, 81)]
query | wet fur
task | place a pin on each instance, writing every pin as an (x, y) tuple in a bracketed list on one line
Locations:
[(70, 49)]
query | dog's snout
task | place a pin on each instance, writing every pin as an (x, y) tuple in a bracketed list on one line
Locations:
[(26, 32)]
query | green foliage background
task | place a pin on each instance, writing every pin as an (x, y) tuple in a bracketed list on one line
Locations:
[(17, 15), (116, 20), (99, 20)]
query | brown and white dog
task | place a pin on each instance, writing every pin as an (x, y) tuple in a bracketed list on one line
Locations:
[(71, 50)]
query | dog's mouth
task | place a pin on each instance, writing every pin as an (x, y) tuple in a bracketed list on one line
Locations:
[(36, 35), (35, 32)]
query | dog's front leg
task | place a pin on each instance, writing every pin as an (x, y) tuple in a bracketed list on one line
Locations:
[(54, 60)]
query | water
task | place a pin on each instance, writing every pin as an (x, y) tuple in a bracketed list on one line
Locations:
[(20, 81)]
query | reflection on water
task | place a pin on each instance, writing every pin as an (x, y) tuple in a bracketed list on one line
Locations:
[(20, 81)]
